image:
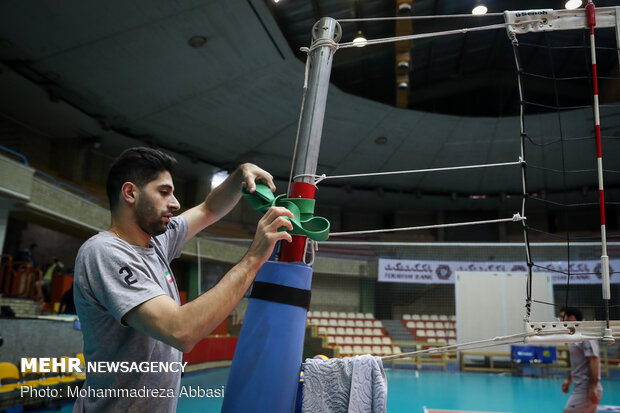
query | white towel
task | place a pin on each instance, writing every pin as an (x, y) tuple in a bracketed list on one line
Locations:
[(352, 384)]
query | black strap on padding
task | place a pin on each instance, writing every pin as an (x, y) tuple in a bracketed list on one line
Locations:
[(281, 294)]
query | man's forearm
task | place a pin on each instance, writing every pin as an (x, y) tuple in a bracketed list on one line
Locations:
[(183, 326), (594, 371), (202, 315)]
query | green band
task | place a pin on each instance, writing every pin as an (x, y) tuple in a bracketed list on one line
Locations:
[(304, 222)]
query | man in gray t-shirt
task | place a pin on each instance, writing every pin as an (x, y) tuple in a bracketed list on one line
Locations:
[(585, 370), (126, 295)]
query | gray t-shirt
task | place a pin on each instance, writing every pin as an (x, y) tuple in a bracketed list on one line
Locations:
[(580, 363), (111, 278)]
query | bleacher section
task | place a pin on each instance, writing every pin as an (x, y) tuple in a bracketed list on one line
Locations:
[(358, 333), (352, 333), (431, 327)]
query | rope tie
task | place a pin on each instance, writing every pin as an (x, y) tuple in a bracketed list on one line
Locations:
[(320, 178), (423, 35), (515, 218), (320, 43), (428, 17), (510, 339)]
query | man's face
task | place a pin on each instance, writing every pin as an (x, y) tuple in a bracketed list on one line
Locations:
[(155, 205)]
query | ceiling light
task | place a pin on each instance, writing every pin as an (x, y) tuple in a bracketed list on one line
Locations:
[(404, 8), (381, 140), (479, 10), (217, 178), (402, 65), (402, 85), (573, 4), (360, 40), (197, 41)]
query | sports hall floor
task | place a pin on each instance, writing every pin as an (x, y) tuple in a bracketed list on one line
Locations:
[(410, 391)]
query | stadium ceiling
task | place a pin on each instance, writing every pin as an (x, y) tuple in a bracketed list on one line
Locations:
[(218, 83)]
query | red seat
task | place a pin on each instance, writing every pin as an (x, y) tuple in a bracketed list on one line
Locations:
[(19, 279)]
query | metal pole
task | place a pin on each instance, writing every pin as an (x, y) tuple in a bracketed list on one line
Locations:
[(324, 32), (591, 19), (324, 35)]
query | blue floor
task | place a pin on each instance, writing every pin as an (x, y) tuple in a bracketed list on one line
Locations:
[(410, 391)]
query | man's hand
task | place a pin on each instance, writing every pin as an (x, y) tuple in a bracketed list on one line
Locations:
[(566, 386), (252, 175), (223, 198), (594, 394), (267, 233)]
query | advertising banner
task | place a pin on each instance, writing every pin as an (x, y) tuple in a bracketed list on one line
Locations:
[(443, 272)]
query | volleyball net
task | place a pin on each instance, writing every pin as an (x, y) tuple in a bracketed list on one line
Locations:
[(563, 141)]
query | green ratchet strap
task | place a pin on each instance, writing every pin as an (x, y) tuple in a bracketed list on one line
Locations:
[(304, 222)]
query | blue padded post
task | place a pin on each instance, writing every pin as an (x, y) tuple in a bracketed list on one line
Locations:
[(265, 370)]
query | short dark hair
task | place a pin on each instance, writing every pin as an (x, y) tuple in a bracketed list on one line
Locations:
[(569, 311), (137, 165)]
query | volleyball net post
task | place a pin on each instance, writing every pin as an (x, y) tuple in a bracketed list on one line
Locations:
[(325, 33), (265, 367)]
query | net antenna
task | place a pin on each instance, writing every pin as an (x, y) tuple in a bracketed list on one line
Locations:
[(531, 21)]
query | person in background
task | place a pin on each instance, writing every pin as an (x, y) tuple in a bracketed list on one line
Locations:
[(46, 282), (27, 254), (585, 371), (67, 304)]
